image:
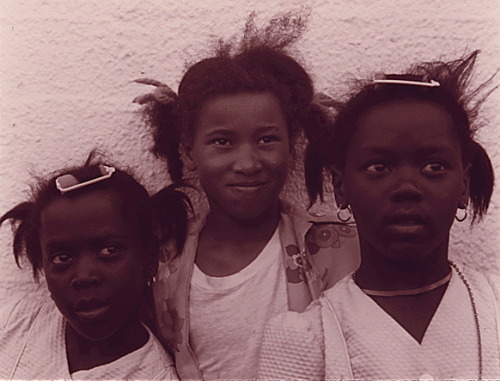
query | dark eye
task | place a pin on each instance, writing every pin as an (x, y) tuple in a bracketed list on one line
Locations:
[(109, 251), (220, 142), (434, 167), (269, 139), (62, 259), (376, 168)]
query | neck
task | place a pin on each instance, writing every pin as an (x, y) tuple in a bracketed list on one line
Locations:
[(378, 272), (225, 228), (83, 353)]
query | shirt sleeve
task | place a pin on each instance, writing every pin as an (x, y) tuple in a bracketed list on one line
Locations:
[(6, 311), (168, 374), (494, 281), (13, 311), (292, 347)]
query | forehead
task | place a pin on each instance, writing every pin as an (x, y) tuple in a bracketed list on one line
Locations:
[(261, 107), (405, 123), (89, 213)]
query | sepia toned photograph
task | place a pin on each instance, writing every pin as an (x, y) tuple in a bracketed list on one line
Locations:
[(249, 190)]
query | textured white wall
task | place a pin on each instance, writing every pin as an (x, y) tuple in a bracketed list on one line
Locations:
[(67, 66)]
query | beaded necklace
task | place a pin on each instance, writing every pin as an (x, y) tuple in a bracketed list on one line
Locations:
[(476, 317)]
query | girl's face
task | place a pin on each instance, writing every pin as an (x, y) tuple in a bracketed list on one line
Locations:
[(241, 152), (93, 262), (404, 179)]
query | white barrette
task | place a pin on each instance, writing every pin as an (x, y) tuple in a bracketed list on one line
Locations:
[(67, 183), (431, 83)]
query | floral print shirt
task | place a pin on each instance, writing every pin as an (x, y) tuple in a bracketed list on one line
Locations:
[(318, 250)]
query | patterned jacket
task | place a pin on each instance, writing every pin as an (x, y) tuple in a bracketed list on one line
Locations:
[(318, 252)]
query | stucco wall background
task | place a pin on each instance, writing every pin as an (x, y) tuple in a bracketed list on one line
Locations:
[(66, 69)]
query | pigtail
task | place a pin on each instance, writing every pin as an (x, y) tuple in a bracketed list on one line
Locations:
[(314, 155), (455, 79), (25, 239), (482, 180), (162, 114), (318, 130), (172, 209)]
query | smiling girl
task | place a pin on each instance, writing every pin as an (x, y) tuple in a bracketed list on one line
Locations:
[(405, 161), (90, 230), (252, 255)]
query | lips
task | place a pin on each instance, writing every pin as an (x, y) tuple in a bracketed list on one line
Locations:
[(248, 187), (249, 184), (406, 224), (90, 308), (406, 219)]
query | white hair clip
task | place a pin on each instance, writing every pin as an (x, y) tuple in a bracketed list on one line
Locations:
[(67, 183), (431, 83)]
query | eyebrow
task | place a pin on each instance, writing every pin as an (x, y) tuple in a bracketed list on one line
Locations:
[(267, 127), (227, 131), (422, 151), (55, 243), (219, 131)]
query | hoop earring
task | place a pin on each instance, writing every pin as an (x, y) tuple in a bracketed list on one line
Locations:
[(339, 213), (150, 281), (460, 219)]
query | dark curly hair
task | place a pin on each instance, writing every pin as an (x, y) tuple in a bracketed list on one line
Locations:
[(258, 63), (453, 95), (171, 221)]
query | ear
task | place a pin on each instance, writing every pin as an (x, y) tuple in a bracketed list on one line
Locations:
[(187, 158), (463, 201), (339, 186)]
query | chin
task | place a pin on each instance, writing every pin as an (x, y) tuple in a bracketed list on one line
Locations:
[(408, 256), (92, 332), (246, 215), (96, 335), (248, 212)]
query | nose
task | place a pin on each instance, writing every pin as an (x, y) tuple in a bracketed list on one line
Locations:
[(85, 272), (406, 187), (248, 160)]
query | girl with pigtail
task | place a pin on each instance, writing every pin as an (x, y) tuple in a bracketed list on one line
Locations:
[(252, 255), (91, 230), (404, 159)]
